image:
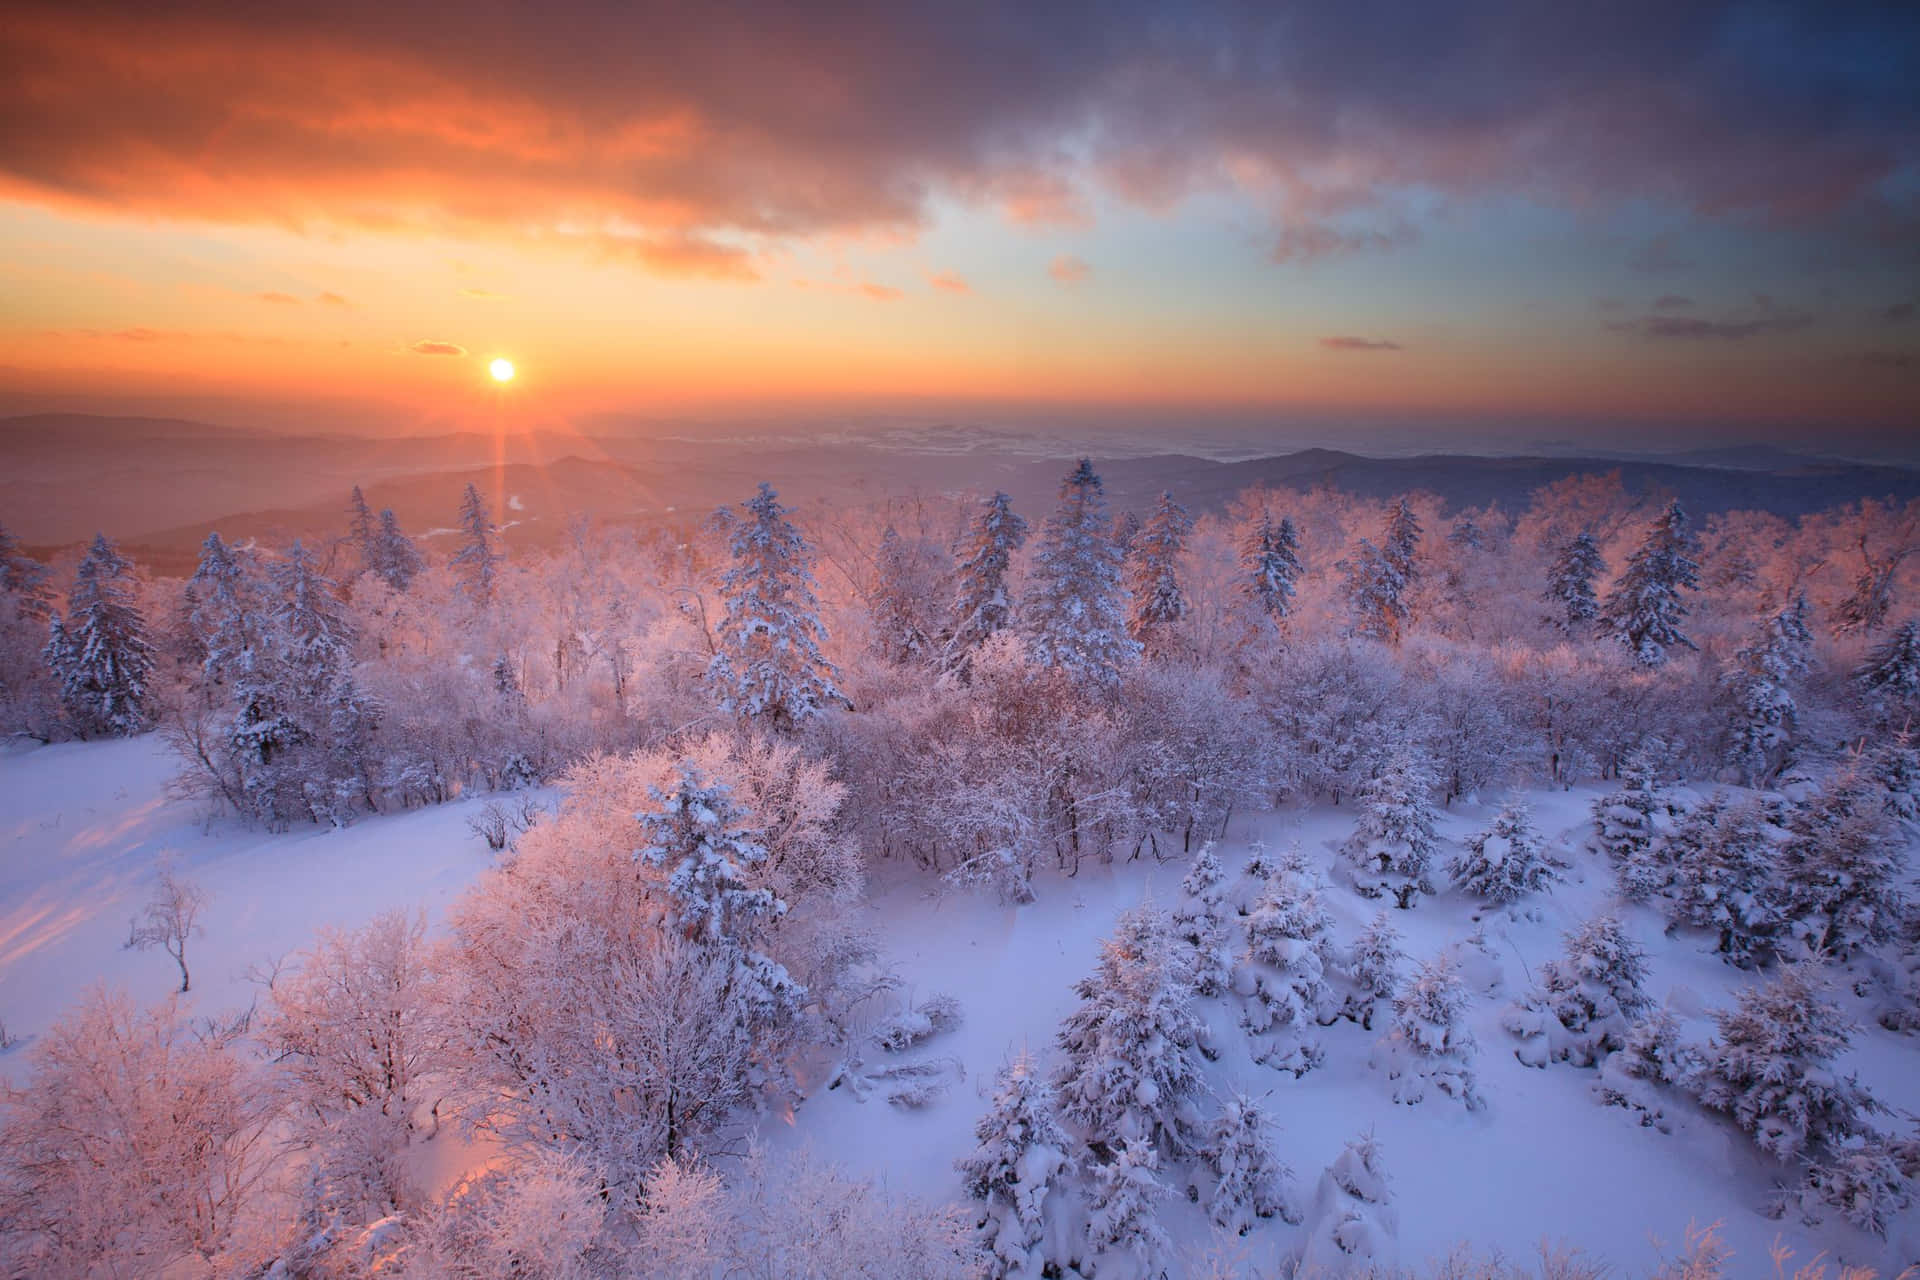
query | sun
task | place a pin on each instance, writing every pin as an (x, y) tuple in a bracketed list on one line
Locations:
[(501, 369)]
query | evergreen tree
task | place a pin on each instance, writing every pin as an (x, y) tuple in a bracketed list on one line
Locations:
[(1270, 566), (1402, 542), (983, 605), (1507, 861), (1428, 1043), (1771, 1068), (1130, 1066), (1644, 610), (395, 558), (1584, 1004), (1759, 682), (1722, 857), (1200, 923), (1894, 765), (1376, 593), (1392, 848), (1016, 1170), (1250, 1183), (24, 579), (1123, 1229), (1354, 1227), (696, 834), (1840, 871), (360, 530), (1466, 534), (770, 663), (897, 603), (99, 654), (1075, 608), (1570, 584), (1153, 573), (1891, 674), (478, 561), (1374, 968), (228, 615), (1289, 947), (1126, 533)]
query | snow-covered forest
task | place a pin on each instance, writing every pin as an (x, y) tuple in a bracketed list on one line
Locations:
[(923, 888)]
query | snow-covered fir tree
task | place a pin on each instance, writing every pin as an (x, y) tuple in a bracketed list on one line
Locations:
[(1075, 610), (24, 579), (228, 615), (1771, 1068), (99, 654), (477, 562), (1124, 1233), (1507, 861), (396, 560), (1018, 1171), (1651, 1061), (1722, 857), (1126, 530), (1644, 610), (1201, 925), (1840, 871), (1570, 584), (896, 603), (1894, 767), (1868, 1182), (1627, 822), (360, 529), (983, 605), (1353, 1226), (1130, 1050), (1373, 966), (1288, 950), (1428, 1044), (1759, 681), (1153, 573), (1376, 591), (1890, 677), (1249, 1180), (1270, 566), (1584, 1003), (697, 834), (770, 664), (1392, 848), (1401, 542)]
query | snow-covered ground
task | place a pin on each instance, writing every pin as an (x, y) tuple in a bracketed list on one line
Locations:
[(82, 825)]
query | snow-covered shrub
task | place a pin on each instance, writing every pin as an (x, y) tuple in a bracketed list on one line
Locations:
[(1353, 1223), (1894, 766), (1427, 1043), (1123, 1228), (925, 1020), (1507, 861), (1017, 1170), (1373, 966), (1771, 1068), (1392, 848), (1867, 1182), (1640, 1073), (1250, 1182), (1584, 1003), (1840, 871), (1130, 1050), (1723, 857), (540, 1216)]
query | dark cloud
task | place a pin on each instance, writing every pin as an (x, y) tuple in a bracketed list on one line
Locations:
[(428, 347), (719, 131), (1763, 318), (1360, 344), (1672, 302)]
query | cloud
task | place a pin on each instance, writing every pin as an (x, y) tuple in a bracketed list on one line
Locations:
[(332, 299), (949, 282), (1672, 302), (1069, 270), (1763, 318), (282, 299), (483, 295), (725, 130), (1360, 344), (880, 292), (428, 347)]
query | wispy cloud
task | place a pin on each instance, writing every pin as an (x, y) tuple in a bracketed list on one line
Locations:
[(1672, 302), (332, 299), (429, 347), (880, 292), (1069, 270), (280, 299), (949, 282), (1360, 344), (1765, 317)]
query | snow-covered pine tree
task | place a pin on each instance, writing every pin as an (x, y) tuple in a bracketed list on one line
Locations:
[(1840, 871), (24, 578), (1153, 574), (1288, 949), (1428, 1043), (477, 562), (1651, 1059), (1126, 529), (228, 617), (1249, 1181), (1353, 1227), (1570, 584), (695, 832), (1017, 1171), (1376, 593), (1392, 848), (395, 558), (1759, 681), (360, 529), (983, 605), (1894, 766), (1200, 923), (1890, 677), (770, 664), (1723, 857), (1374, 967), (1466, 534), (1075, 609), (1507, 861), (1771, 1068), (1401, 541), (1270, 566), (1627, 822), (1123, 1227), (1130, 1050), (1644, 610), (99, 654), (1584, 1003)]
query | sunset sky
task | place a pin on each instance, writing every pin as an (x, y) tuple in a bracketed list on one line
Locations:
[(1374, 210)]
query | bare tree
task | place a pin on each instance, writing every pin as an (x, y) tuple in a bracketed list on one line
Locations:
[(172, 916)]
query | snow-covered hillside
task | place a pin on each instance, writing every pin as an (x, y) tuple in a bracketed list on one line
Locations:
[(1542, 1160)]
